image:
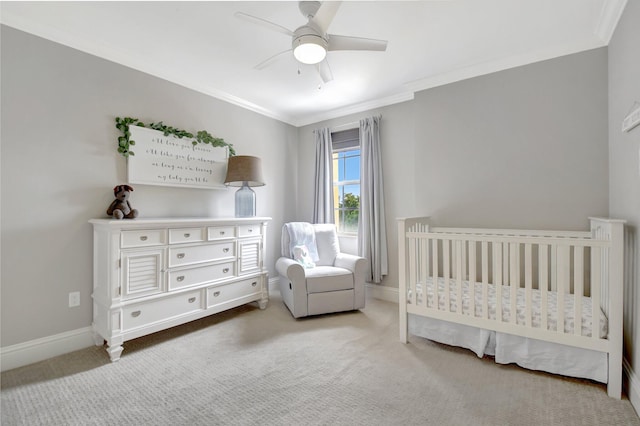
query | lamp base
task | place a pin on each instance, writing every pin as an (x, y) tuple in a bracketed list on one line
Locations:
[(245, 201)]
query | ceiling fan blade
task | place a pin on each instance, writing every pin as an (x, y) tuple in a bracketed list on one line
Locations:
[(267, 24), (338, 42), (271, 60), (325, 14), (325, 71)]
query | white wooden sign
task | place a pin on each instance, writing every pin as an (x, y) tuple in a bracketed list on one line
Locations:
[(170, 161)]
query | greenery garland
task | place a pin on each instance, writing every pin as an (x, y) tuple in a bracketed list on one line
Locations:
[(125, 143)]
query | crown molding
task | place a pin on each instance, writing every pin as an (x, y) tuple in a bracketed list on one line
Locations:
[(355, 108), (485, 68), (106, 52), (608, 20)]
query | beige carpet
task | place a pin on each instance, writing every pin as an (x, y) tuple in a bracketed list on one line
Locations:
[(250, 367)]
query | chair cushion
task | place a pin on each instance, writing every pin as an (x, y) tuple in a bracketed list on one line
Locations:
[(327, 243), (328, 278)]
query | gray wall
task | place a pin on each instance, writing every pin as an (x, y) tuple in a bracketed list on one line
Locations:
[(624, 162), (59, 165), (521, 148)]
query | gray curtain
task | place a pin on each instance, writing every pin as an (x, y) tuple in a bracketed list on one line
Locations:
[(323, 191), (372, 232)]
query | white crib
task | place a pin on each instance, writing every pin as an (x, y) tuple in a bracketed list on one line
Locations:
[(560, 292)]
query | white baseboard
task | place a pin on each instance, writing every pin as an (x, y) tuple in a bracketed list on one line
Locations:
[(273, 284), (390, 294), (633, 385), (26, 353)]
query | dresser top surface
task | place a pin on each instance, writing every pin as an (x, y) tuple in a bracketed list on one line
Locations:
[(177, 221)]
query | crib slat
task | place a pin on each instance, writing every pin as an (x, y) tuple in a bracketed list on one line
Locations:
[(458, 268), (505, 263), (472, 278), (578, 288), (464, 259), (497, 256), (424, 268), (446, 257), (596, 283), (563, 271), (427, 271), (514, 277), (412, 269), (434, 267), (528, 279), (543, 283), (554, 266), (485, 278)]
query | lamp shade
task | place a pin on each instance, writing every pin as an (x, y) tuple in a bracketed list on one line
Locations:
[(244, 168)]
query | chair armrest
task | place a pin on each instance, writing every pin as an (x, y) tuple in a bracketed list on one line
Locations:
[(290, 268), (358, 266), (349, 261)]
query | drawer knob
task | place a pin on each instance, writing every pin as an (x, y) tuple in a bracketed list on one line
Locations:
[(192, 299), (187, 235), (143, 238), (216, 294), (225, 270), (180, 255), (226, 250), (253, 284), (135, 314), (250, 229), (180, 278), (221, 232)]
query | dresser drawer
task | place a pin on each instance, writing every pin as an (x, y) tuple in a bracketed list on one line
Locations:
[(143, 238), (221, 232), (249, 230), (186, 235), (179, 256), (227, 292), (143, 314), (200, 275)]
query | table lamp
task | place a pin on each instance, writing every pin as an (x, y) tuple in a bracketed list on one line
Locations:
[(244, 171)]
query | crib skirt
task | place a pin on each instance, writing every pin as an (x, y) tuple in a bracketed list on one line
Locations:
[(528, 353)]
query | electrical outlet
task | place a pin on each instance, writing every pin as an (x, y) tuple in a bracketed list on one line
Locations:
[(74, 299)]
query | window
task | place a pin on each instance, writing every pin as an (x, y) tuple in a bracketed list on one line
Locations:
[(346, 180)]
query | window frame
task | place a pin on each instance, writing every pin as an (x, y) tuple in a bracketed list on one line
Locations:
[(345, 141)]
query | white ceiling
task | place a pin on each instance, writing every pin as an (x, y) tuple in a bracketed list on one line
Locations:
[(201, 45)]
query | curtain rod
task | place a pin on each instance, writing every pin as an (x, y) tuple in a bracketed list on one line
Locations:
[(346, 126), (349, 126)]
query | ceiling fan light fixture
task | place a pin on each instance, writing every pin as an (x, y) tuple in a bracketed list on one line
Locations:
[(310, 49)]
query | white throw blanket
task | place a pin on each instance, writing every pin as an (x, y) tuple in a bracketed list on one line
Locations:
[(302, 234)]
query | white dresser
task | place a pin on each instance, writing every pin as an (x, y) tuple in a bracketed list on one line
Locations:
[(152, 274)]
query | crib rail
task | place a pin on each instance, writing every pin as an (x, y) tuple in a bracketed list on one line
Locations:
[(579, 271)]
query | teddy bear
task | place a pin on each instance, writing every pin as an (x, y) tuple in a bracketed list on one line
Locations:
[(120, 208), (302, 256)]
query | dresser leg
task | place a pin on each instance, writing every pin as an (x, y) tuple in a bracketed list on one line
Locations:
[(262, 303), (114, 352)]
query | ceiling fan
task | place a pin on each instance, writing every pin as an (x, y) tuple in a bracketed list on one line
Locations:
[(311, 42)]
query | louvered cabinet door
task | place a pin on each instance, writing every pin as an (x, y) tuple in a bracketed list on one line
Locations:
[(142, 273), (249, 256)]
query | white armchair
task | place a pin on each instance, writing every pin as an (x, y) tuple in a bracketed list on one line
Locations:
[(335, 284)]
